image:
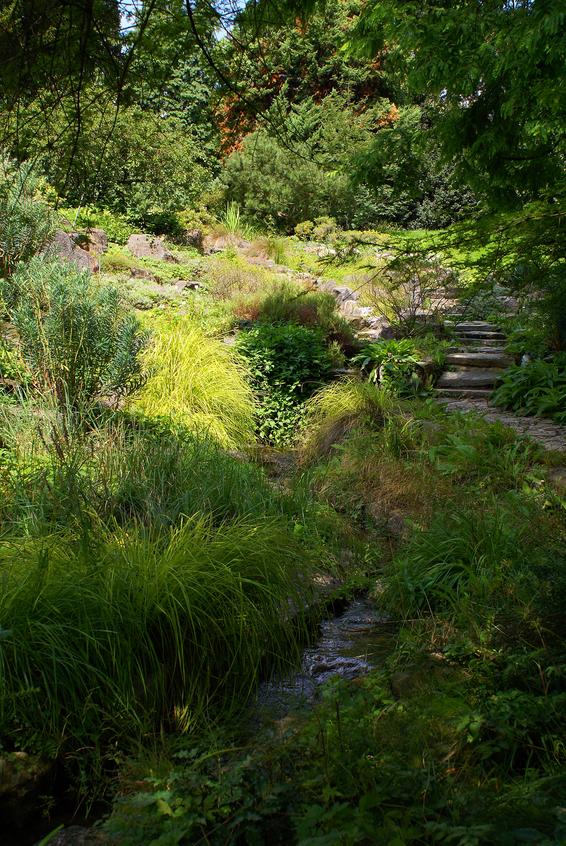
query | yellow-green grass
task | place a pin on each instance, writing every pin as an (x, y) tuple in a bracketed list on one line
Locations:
[(197, 381)]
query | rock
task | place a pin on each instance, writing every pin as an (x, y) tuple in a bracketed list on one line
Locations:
[(93, 240), (480, 359), (97, 240), (475, 377), (341, 293), (319, 250), (380, 330), (63, 246), (143, 273), (77, 835), (149, 246), (186, 285), (194, 238), (217, 243)]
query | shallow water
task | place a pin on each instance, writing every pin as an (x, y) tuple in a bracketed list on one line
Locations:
[(349, 646)]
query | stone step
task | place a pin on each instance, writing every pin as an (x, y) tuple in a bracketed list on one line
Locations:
[(479, 359), (494, 347), (473, 377), (479, 335), (463, 393), (476, 326)]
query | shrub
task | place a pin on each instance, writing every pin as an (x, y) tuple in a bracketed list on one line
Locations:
[(287, 364), (394, 365), (460, 556), (290, 304), (280, 184), (198, 382), (304, 230), (406, 287), (77, 338), (538, 387), (116, 225), (26, 222), (336, 410), (324, 227)]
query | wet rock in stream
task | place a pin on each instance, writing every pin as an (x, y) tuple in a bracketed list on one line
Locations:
[(350, 645)]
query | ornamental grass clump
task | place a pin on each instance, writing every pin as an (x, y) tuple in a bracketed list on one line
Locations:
[(116, 636), (198, 382)]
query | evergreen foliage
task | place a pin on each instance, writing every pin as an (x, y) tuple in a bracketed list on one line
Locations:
[(77, 339)]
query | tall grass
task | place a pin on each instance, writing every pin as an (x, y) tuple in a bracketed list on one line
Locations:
[(338, 409), (199, 382), (107, 638), (234, 223), (126, 470)]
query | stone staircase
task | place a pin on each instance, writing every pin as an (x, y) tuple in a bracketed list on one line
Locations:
[(475, 363)]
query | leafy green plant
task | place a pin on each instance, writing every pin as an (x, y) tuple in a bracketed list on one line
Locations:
[(538, 387), (336, 409), (287, 364), (78, 340), (304, 230), (26, 221), (288, 303), (394, 365), (116, 225)]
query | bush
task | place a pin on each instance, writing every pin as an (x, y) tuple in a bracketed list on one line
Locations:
[(287, 364), (336, 410), (116, 225), (394, 365), (77, 338), (304, 230), (199, 383), (538, 387), (26, 222), (290, 304), (280, 185)]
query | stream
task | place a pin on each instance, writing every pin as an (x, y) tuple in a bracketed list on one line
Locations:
[(350, 644)]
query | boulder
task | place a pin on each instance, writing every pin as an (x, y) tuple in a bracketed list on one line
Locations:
[(97, 241), (149, 246), (63, 246), (380, 330), (341, 293), (217, 243), (142, 273), (194, 238), (186, 285)]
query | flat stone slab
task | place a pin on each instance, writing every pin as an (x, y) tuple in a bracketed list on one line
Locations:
[(476, 326), (460, 393), (479, 335), (480, 359), (475, 377), (549, 435)]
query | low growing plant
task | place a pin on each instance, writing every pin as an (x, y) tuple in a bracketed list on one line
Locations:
[(287, 364), (537, 387), (26, 221), (198, 382), (394, 365)]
